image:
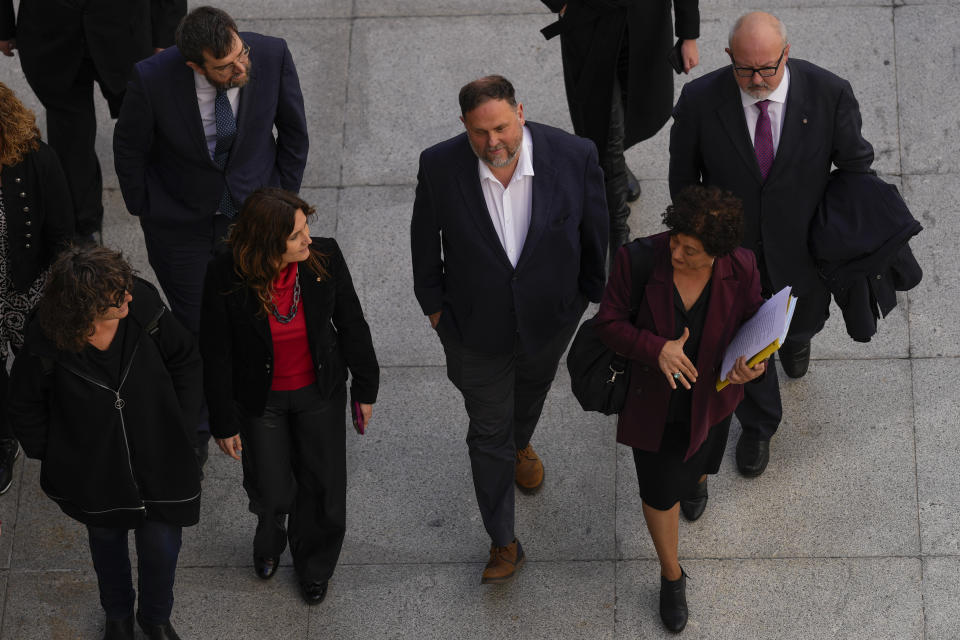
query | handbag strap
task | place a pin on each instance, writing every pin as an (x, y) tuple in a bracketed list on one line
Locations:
[(641, 255)]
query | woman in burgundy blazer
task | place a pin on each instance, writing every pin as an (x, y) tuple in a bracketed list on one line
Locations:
[(701, 289)]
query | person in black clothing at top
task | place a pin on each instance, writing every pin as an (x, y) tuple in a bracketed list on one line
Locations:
[(105, 393)]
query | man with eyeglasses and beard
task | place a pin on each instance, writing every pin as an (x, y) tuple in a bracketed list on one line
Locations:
[(195, 138), (767, 128)]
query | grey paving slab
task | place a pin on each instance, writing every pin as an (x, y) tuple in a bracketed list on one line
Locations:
[(937, 408), (319, 49), (410, 494), (373, 230), (547, 600), (403, 96), (490, 8), (233, 603), (798, 599), (48, 538), (841, 479), (825, 35), (928, 79), (941, 597), (46, 605), (9, 510), (935, 302), (243, 10)]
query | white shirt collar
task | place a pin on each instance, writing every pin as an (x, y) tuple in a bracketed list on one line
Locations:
[(779, 94), (524, 161)]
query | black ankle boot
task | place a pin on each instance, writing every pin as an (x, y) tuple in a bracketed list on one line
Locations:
[(673, 602)]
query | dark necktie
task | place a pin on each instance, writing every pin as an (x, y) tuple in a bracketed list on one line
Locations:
[(226, 132), (763, 139)]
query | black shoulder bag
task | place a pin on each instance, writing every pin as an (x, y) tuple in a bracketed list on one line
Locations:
[(600, 377)]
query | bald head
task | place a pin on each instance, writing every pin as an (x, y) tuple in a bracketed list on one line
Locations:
[(759, 52), (757, 25)]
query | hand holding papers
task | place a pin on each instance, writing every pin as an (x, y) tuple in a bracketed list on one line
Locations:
[(761, 335)]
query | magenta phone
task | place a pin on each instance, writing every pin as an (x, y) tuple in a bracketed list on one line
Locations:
[(358, 418)]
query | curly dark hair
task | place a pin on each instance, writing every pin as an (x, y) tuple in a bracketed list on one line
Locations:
[(259, 239), (83, 283), (19, 134), (713, 216)]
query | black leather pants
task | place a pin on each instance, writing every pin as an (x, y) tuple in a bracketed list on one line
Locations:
[(615, 175)]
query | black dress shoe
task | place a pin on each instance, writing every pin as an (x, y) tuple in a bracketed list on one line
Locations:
[(163, 631), (673, 602), (265, 567), (118, 629), (9, 452), (752, 456), (633, 186), (795, 359), (696, 503), (313, 592)]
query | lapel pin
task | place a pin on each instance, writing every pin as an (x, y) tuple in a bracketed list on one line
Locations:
[(804, 121), (319, 279)]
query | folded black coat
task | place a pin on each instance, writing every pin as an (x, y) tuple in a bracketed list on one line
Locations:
[(858, 239)]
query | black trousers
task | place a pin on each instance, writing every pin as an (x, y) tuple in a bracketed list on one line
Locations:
[(72, 133), (761, 410), (613, 163), (294, 462), (503, 395), (179, 253)]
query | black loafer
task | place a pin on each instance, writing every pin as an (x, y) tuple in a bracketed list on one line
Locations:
[(9, 452), (752, 456), (313, 592), (265, 567), (795, 359), (633, 187), (163, 631), (673, 602), (118, 629), (694, 505)]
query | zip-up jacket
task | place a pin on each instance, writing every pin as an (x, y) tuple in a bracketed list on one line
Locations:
[(113, 456)]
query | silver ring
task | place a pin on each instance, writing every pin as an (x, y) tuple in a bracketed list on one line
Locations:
[(676, 376)]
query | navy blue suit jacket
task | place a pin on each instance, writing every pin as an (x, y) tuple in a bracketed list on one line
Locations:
[(710, 144), (161, 155), (460, 267)]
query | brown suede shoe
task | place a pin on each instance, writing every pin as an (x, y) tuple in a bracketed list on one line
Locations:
[(504, 562), (529, 474)]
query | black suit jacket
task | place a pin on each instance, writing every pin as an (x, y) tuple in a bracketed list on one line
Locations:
[(460, 267), (161, 155), (36, 203), (710, 144), (237, 347), (51, 36)]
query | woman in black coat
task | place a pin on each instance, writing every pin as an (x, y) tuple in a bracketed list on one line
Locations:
[(36, 223), (619, 82), (280, 326), (105, 393)]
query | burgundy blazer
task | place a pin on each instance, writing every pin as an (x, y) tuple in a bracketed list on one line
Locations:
[(734, 298)]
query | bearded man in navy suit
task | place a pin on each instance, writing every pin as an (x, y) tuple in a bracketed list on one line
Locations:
[(768, 128), (509, 234), (195, 138)]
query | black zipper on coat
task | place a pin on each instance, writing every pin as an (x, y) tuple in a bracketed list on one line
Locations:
[(118, 405)]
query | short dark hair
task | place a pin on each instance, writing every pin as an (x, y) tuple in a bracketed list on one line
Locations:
[(83, 283), (713, 216), (205, 28), (475, 93)]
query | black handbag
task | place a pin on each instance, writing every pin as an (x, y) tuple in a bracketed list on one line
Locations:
[(600, 377)]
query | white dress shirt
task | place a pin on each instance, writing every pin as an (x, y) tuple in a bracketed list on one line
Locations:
[(510, 207), (206, 96), (776, 110)]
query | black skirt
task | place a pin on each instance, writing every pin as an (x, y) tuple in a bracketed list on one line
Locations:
[(663, 475)]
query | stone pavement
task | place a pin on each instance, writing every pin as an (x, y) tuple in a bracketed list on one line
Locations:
[(853, 531)]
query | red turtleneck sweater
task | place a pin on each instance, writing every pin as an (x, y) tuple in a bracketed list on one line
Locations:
[(292, 362)]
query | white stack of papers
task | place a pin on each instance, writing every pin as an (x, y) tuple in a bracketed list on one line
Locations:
[(761, 335)]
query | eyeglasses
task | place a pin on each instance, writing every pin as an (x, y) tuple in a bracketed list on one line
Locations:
[(765, 72), (244, 54), (120, 298)]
